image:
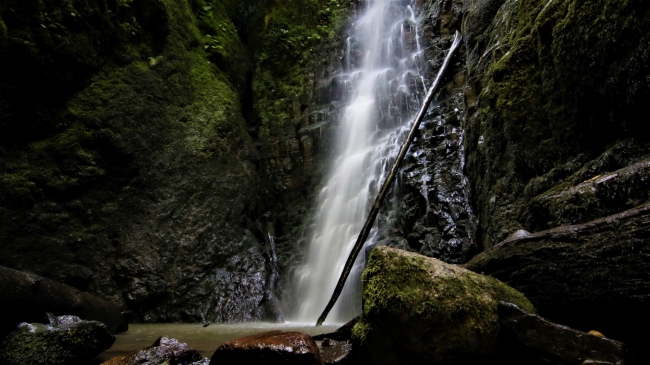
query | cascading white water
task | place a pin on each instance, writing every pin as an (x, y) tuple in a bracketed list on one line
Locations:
[(385, 91)]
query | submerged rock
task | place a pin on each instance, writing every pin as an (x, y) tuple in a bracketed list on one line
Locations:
[(337, 347), (164, 351), (421, 310), (67, 340), (592, 275), (274, 347), (336, 352)]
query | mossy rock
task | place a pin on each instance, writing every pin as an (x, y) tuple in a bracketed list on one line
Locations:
[(284, 47), (142, 115), (557, 81), (68, 340), (421, 310)]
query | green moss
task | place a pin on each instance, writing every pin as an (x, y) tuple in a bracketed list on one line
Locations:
[(68, 159), (55, 164), (557, 79), (395, 280), (360, 331), (214, 113), (405, 292), (221, 42), (39, 343), (283, 54)]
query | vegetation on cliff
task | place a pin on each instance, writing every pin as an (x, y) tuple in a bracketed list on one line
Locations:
[(284, 53), (554, 84), (125, 141), (109, 107)]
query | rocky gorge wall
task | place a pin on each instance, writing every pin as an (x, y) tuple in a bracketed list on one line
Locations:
[(556, 141), (540, 128), (556, 96), (165, 154), (138, 148)]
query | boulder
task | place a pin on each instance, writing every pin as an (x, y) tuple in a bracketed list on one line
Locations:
[(587, 195), (588, 276), (165, 350), (335, 352), (29, 297), (420, 310), (530, 339), (274, 347), (337, 347), (66, 340)]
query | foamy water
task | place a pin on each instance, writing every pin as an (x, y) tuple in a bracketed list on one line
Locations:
[(385, 91)]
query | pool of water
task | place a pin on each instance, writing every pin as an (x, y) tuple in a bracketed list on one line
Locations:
[(203, 339)]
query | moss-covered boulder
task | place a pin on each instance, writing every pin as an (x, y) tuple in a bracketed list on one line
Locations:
[(66, 340), (420, 310)]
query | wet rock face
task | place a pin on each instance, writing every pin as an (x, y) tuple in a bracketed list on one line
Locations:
[(275, 347), (66, 340), (588, 276), (163, 351), (553, 93), (430, 210), (419, 310), (295, 161)]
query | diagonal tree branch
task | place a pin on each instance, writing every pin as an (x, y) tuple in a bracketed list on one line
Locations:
[(386, 186)]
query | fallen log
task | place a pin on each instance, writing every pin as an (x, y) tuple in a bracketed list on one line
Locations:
[(370, 221), (26, 297)]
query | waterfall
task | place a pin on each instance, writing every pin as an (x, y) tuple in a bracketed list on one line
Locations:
[(384, 82)]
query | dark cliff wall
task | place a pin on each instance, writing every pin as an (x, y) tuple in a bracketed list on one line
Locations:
[(557, 97), (133, 147), (557, 143), (540, 128)]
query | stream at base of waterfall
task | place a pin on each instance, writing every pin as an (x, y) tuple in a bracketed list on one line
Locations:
[(205, 340), (384, 83)]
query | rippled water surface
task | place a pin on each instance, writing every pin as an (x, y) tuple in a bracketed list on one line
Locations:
[(203, 339)]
